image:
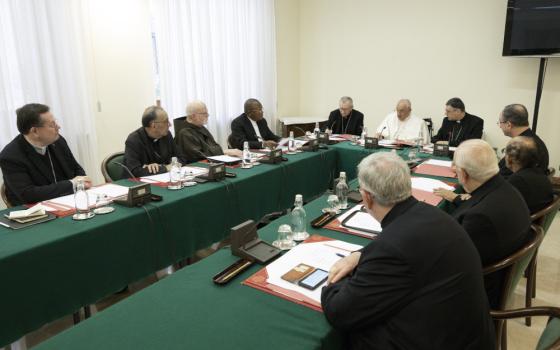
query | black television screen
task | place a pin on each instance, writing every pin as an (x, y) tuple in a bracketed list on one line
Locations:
[(532, 28)]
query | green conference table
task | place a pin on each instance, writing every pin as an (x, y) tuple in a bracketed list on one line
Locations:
[(52, 269), (188, 311)]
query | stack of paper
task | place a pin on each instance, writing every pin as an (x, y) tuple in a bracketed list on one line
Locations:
[(225, 159), (35, 211)]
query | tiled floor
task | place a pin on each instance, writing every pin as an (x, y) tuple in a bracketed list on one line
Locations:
[(520, 337)]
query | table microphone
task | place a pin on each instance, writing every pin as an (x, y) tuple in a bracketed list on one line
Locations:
[(126, 168)]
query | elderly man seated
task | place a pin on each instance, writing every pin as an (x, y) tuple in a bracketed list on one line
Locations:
[(495, 214), (522, 158), (406, 288), (194, 141), (403, 125)]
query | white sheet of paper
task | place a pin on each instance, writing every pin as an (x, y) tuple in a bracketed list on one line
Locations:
[(429, 185), (336, 137), (320, 255), (363, 221), (195, 170), (225, 159), (283, 143), (156, 178), (368, 234), (110, 190), (445, 163), (69, 203)]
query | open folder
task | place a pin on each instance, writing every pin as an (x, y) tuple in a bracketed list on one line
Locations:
[(317, 251)]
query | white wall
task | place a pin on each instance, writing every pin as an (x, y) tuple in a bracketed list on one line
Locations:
[(428, 51), (123, 60)]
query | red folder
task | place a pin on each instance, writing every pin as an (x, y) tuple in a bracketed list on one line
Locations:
[(426, 197), (258, 281), (435, 170)]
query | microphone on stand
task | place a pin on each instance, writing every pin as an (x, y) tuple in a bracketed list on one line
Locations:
[(126, 168), (381, 132)]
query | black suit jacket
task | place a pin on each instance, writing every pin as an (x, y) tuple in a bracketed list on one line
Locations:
[(534, 186), (417, 286), (541, 150), (139, 150), (242, 130), (196, 143), (497, 220), (353, 124), (29, 179), (470, 127)]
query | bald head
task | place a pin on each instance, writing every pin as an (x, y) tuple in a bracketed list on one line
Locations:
[(253, 109), (197, 113), (477, 159), (404, 107), (521, 153)]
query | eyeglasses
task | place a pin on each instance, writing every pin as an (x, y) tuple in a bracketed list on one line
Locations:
[(500, 122), (166, 121), (52, 125), (203, 114)]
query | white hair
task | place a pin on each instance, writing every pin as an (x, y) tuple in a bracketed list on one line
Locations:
[(386, 176), (347, 99), (406, 101), (477, 158), (194, 106)]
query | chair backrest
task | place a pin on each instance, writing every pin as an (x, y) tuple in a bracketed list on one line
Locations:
[(550, 337), (544, 217), (4, 197), (430, 125), (515, 265), (110, 169), (178, 124)]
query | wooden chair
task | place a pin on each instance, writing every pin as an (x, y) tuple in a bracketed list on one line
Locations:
[(4, 197), (550, 337), (544, 219), (514, 266), (110, 169)]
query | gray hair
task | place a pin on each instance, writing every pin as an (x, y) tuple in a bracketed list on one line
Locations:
[(405, 101), (477, 158), (194, 106), (386, 176), (347, 99)]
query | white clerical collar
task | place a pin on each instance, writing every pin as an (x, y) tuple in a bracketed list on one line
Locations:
[(42, 150)]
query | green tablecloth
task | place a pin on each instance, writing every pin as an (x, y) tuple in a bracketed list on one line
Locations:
[(53, 269), (187, 311)]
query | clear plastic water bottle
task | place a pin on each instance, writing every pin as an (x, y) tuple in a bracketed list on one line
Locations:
[(342, 191), (246, 158), (81, 201), (316, 131), (291, 144), (299, 220), (364, 135), (175, 182)]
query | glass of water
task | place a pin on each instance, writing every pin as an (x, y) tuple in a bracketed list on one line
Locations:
[(334, 205), (285, 239)]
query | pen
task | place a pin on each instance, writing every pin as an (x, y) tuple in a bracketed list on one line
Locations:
[(341, 255), (5, 225)]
